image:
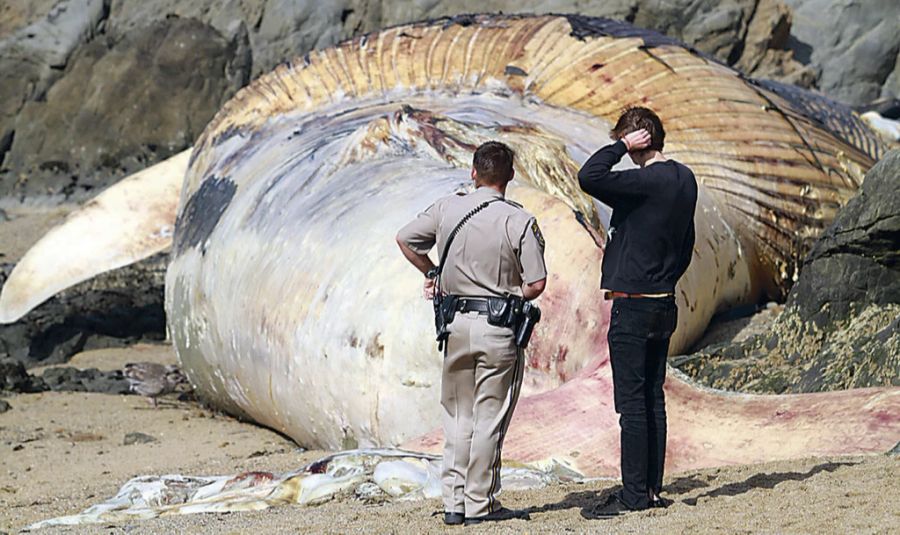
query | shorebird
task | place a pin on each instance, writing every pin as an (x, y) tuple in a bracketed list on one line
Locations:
[(152, 380)]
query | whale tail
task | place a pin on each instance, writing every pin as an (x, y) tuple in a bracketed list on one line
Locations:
[(127, 222)]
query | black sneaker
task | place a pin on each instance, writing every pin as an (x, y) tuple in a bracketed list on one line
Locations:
[(660, 503), (612, 507), (499, 515), (454, 519)]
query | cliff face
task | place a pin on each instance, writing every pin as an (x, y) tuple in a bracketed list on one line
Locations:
[(91, 90)]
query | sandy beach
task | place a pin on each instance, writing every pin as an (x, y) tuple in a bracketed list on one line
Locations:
[(62, 452)]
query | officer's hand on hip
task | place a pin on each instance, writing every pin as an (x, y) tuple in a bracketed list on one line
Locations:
[(429, 289)]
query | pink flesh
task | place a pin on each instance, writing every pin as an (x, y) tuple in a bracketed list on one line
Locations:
[(577, 421)]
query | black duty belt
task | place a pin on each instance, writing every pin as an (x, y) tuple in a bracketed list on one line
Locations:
[(472, 304)]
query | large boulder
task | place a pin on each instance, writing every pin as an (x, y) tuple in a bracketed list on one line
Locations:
[(279, 30), (841, 324), (34, 56), (852, 46), (230, 18), (123, 104)]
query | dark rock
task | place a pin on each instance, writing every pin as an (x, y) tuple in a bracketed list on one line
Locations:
[(841, 324), (112, 310), (138, 438), (289, 28), (14, 378), (895, 451), (856, 262), (32, 58), (68, 379), (124, 104), (4, 406)]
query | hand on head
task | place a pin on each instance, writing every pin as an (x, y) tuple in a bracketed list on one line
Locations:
[(637, 140)]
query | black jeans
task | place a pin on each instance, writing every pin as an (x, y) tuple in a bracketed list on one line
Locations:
[(639, 332)]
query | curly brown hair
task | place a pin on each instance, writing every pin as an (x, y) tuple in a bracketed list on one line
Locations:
[(638, 118), (493, 161)]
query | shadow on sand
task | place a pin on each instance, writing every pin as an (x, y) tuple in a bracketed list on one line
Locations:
[(766, 481), (587, 500)]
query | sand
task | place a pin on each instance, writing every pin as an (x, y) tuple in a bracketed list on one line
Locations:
[(62, 452)]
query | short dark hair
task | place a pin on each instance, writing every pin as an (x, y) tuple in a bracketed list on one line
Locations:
[(634, 119), (493, 161)]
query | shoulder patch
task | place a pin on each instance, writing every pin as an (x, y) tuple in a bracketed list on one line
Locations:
[(536, 230)]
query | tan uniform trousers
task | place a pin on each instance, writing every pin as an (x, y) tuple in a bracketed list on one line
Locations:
[(479, 390)]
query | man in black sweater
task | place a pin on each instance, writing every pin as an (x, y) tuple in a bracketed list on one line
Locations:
[(651, 239)]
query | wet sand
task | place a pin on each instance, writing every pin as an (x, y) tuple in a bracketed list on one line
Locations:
[(62, 452)]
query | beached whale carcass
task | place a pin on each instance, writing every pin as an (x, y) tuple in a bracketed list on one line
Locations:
[(289, 304)]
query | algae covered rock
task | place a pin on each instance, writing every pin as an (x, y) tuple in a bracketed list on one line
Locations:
[(841, 324)]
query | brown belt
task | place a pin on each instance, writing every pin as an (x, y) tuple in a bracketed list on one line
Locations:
[(616, 295)]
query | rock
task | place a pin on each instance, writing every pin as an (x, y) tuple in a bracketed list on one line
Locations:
[(855, 55), (34, 56), (14, 378), (138, 438), (124, 104), (765, 52), (16, 14), (840, 327), (114, 309), (4, 406), (856, 261), (68, 379), (289, 28), (278, 29)]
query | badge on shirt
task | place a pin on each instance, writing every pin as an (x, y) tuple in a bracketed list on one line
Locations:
[(537, 233)]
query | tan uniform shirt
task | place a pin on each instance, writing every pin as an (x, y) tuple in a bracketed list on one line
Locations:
[(493, 254)]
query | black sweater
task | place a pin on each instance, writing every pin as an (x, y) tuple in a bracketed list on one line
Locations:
[(652, 226)]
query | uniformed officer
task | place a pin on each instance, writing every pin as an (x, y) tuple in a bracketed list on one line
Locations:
[(498, 251)]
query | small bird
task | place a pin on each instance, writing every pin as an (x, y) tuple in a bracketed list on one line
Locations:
[(152, 380)]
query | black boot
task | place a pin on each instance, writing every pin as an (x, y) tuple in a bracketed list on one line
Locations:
[(613, 506), (454, 519)]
